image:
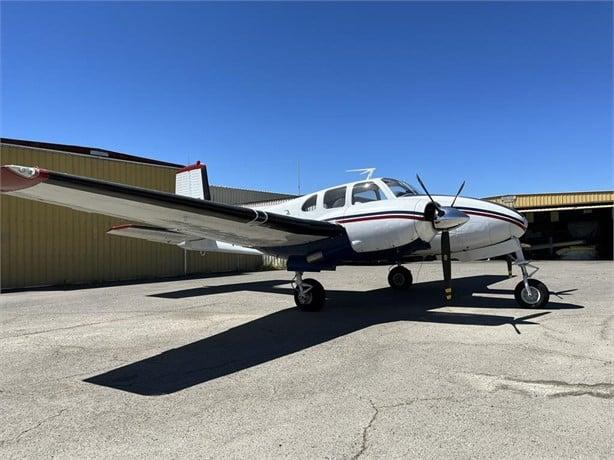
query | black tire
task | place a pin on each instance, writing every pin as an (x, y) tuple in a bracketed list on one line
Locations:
[(522, 298), (400, 278), (314, 298)]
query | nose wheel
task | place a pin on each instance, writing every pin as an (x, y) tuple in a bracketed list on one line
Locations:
[(400, 278), (529, 292), (537, 294)]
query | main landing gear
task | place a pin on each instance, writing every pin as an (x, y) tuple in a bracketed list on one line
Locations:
[(400, 278), (309, 294), (529, 292)]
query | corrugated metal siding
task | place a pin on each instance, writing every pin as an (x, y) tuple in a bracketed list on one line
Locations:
[(265, 204), (555, 199), (238, 196), (45, 245)]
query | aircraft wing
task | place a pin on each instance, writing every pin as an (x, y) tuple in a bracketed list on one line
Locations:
[(177, 214)]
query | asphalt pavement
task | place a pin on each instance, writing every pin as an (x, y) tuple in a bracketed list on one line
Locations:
[(227, 367)]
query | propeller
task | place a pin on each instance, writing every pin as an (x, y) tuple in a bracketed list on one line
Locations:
[(457, 193), (444, 219)]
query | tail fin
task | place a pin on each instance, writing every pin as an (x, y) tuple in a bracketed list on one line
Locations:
[(192, 181)]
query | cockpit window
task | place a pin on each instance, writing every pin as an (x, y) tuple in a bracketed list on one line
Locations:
[(399, 188), (365, 192), (310, 204)]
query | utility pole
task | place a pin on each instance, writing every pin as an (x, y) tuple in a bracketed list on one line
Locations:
[(298, 174)]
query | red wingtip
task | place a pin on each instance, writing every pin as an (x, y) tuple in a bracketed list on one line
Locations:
[(13, 178)]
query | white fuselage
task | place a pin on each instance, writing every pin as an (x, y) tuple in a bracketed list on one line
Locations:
[(391, 221)]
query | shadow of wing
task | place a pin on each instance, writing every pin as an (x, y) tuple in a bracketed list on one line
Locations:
[(288, 331)]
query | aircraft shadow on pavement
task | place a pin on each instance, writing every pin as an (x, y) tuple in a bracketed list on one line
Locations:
[(290, 330)]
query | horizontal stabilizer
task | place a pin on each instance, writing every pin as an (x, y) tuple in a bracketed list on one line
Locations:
[(142, 232), (163, 235), (206, 245)]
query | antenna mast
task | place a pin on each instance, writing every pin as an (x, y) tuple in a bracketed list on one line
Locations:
[(367, 171)]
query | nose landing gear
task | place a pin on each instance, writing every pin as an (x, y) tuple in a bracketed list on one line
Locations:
[(529, 292), (535, 296)]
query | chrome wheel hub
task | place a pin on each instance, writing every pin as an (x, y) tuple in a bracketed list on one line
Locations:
[(304, 294), (532, 296)]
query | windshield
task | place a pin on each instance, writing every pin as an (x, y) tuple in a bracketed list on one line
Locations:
[(399, 188)]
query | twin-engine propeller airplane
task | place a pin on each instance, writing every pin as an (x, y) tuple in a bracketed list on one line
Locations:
[(374, 221)]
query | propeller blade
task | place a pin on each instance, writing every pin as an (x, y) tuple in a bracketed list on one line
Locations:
[(458, 193), (424, 188), (447, 264)]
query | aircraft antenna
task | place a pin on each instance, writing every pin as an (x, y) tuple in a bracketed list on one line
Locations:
[(367, 171)]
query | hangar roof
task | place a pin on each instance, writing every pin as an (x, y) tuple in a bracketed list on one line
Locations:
[(93, 151), (556, 201), (228, 195)]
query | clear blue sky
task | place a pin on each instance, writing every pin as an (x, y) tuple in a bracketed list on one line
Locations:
[(512, 97)]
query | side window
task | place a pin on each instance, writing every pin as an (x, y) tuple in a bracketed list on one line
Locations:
[(334, 198), (366, 192), (310, 204)]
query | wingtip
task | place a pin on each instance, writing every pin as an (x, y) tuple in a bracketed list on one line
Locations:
[(14, 178)]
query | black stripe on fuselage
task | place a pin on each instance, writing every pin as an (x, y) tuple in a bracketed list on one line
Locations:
[(377, 213), (495, 213)]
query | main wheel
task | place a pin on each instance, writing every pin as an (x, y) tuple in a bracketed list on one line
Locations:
[(400, 278), (313, 296), (537, 297)]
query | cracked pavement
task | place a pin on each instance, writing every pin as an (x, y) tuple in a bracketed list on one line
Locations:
[(224, 366)]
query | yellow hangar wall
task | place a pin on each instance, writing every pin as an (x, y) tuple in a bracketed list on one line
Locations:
[(43, 245), (555, 200)]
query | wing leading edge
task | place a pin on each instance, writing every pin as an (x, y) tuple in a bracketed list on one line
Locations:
[(190, 216)]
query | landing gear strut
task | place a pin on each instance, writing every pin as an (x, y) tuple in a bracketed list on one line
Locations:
[(309, 294), (400, 278), (529, 292)]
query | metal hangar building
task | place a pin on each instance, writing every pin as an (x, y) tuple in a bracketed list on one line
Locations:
[(45, 245), (570, 225)]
